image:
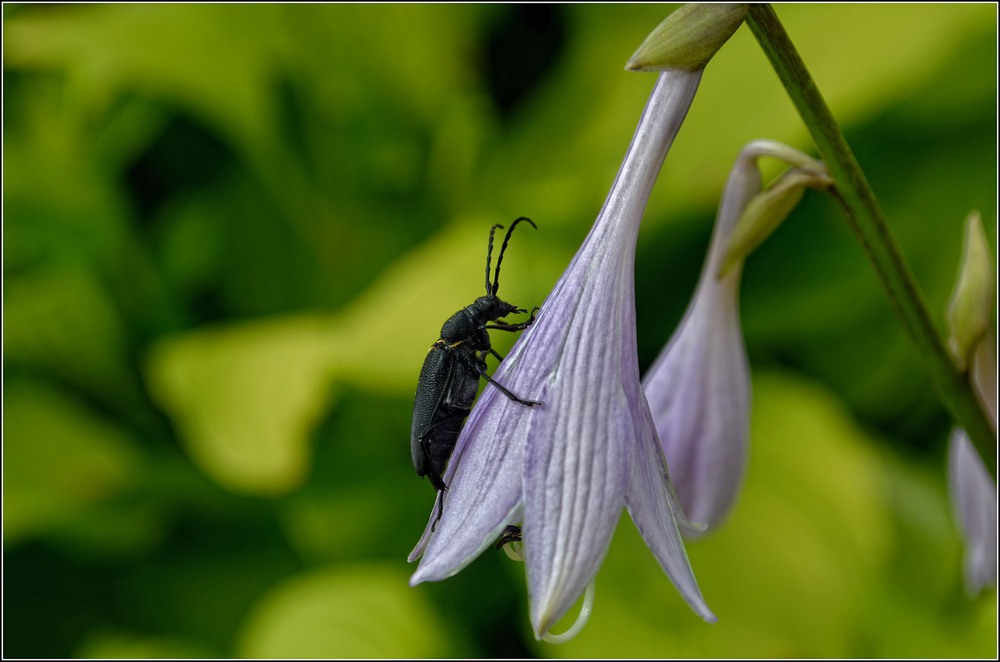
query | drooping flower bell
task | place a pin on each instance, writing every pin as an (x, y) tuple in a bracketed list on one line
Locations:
[(698, 388), (972, 342), (565, 469)]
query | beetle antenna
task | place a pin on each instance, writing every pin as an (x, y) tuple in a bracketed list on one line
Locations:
[(489, 252), (503, 248)]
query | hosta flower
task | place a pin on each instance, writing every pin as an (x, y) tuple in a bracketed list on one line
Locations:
[(699, 387), (973, 344), (567, 468)]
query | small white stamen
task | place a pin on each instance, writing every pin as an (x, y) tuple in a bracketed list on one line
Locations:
[(581, 620)]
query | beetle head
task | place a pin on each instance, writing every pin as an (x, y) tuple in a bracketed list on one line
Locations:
[(491, 307)]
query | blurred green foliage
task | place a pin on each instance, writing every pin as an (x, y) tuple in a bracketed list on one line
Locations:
[(231, 232)]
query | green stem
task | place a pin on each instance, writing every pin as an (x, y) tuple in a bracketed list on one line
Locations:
[(868, 223)]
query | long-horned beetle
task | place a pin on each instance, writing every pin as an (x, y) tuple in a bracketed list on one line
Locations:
[(450, 376)]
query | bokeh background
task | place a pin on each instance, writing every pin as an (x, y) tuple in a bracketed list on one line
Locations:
[(231, 233)]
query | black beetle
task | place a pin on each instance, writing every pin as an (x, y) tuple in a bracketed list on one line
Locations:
[(450, 376)]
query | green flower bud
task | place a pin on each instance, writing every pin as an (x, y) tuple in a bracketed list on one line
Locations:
[(970, 311), (688, 38), (766, 212)]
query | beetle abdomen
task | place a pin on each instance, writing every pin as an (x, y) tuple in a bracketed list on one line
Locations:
[(435, 375), (446, 391)]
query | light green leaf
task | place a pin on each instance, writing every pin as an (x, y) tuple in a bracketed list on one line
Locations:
[(112, 644), (245, 398), (200, 56), (360, 611)]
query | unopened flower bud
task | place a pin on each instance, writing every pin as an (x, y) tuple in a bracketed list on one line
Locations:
[(698, 389), (971, 306), (688, 38)]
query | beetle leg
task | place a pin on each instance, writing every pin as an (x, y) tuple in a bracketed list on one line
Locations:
[(440, 509), (509, 327), (479, 367), (500, 325), (503, 389)]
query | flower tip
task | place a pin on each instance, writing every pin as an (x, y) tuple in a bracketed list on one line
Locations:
[(541, 624), (688, 38), (420, 547), (692, 529), (425, 574)]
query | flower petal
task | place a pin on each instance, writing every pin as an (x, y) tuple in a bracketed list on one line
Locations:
[(654, 508), (699, 395), (576, 465)]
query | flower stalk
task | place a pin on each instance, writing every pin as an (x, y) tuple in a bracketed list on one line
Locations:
[(866, 219)]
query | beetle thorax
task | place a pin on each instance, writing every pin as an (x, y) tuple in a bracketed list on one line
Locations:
[(466, 323)]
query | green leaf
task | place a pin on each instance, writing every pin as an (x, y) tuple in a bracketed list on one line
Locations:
[(59, 460), (63, 321), (199, 56), (245, 398), (347, 611), (113, 644)]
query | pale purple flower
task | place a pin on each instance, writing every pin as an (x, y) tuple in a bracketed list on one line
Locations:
[(698, 388), (566, 469)]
